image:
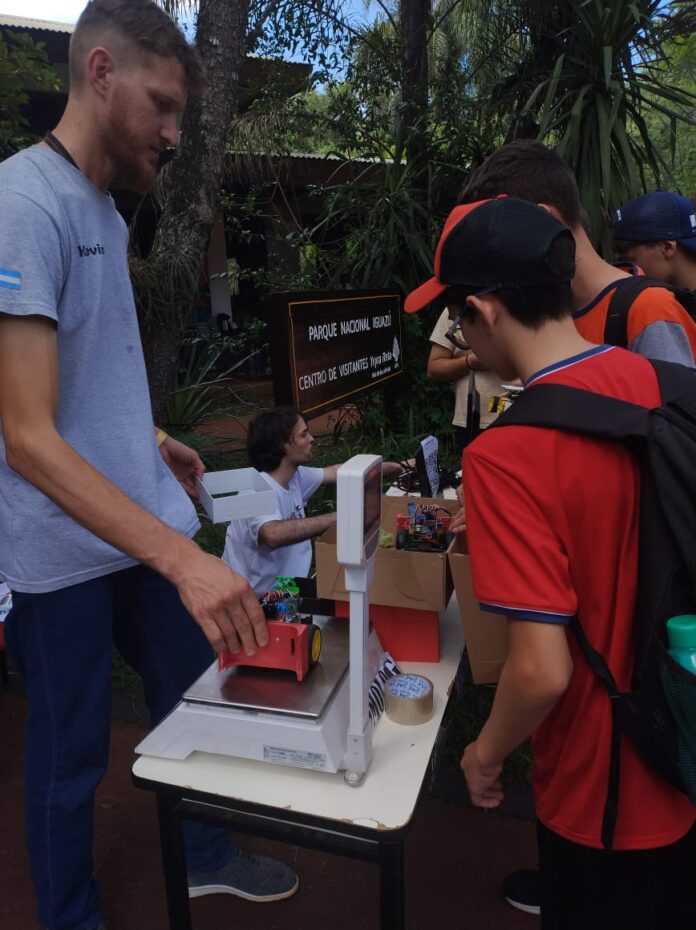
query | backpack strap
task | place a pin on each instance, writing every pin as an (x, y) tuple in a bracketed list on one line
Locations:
[(625, 293), (677, 382), (600, 668), (573, 410)]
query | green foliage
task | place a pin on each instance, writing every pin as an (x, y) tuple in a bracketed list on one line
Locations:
[(211, 536), (605, 78), (208, 360), (23, 67), (592, 77), (157, 290), (193, 397), (676, 140)]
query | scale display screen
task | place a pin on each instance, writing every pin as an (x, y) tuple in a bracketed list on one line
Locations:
[(359, 509), (372, 502)]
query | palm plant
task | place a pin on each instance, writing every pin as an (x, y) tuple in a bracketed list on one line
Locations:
[(590, 77), (194, 396), (592, 104)]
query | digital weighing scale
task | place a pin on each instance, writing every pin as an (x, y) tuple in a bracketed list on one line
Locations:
[(321, 723)]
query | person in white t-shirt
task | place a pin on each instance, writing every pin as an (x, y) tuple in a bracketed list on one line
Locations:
[(280, 446)]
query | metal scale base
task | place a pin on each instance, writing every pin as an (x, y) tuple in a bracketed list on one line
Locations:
[(265, 714), (279, 692)]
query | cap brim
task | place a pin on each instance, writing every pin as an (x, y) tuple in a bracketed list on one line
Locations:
[(424, 295), (689, 242)]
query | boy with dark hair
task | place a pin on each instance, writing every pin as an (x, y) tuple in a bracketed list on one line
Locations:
[(657, 325), (268, 435), (281, 447), (552, 527), (657, 232)]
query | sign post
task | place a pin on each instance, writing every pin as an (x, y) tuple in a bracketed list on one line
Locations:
[(328, 348)]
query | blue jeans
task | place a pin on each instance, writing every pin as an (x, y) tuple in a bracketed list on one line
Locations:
[(62, 644)]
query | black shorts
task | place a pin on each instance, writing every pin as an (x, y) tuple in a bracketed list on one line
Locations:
[(590, 889)]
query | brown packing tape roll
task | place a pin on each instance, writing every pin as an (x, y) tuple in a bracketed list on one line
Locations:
[(409, 699)]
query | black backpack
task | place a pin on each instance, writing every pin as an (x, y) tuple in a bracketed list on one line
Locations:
[(659, 713), (627, 289)]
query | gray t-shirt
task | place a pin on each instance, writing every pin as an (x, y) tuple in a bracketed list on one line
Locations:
[(63, 256)]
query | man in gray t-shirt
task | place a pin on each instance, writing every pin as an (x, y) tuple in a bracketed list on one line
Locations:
[(95, 530)]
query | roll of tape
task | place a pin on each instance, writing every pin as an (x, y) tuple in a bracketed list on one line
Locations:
[(409, 699)]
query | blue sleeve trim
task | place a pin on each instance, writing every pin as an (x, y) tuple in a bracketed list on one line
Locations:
[(537, 616)]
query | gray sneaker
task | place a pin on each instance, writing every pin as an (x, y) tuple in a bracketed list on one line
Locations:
[(256, 878)]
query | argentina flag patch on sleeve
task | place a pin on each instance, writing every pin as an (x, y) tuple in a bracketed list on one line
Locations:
[(12, 280)]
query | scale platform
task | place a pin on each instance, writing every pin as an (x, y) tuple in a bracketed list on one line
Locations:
[(279, 692), (267, 714)]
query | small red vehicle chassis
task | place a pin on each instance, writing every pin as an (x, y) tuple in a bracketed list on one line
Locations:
[(292, 646)]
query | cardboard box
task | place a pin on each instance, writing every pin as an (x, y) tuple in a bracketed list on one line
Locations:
[(235, 494), (411, 580), (485, 633), (408, 635)]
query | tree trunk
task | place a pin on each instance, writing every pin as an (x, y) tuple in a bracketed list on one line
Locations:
[(191, 188), (415, 22)]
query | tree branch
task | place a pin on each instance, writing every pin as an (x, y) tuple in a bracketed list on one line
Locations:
[(255, 34)]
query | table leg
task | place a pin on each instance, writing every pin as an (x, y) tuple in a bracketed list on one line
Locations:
[(174, 862), (391, 887)]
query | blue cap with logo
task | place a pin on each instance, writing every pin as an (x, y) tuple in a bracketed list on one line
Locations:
[(654, 217)]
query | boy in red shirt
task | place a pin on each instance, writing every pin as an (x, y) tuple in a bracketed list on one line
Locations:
[(552, 522), (657, 325)]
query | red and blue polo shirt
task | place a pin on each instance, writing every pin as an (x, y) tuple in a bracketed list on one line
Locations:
[(552, 525)]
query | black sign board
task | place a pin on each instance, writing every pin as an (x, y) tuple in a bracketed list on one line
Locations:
[(326, 348)]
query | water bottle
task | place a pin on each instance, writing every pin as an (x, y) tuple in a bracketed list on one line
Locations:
[(681, 633)]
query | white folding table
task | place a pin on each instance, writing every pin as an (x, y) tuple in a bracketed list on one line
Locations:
[(313, 809)]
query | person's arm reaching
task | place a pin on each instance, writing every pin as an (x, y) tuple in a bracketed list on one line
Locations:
[(536, 674), (331, 473), (277, 533), (388, 468), (220, 601)]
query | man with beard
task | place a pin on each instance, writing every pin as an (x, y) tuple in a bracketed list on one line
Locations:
[(95, 530)]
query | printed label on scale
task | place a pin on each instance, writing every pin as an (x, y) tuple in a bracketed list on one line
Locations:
[(305, 760)]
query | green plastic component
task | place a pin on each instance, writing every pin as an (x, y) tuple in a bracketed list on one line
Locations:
[(289, 585)]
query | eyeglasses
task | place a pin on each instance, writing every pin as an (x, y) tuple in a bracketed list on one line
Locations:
[(454, 336)]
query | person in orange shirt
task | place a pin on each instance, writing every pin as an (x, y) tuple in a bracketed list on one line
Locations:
[(657, 326), (657, 232)]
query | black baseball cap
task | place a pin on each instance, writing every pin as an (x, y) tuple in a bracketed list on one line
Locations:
[(654, 217), (505, 242)]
